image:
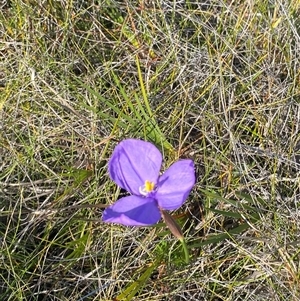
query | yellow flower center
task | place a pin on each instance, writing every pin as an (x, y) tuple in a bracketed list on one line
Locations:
[(147, 188)]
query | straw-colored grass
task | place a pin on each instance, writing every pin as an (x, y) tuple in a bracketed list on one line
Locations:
[(215, 81)]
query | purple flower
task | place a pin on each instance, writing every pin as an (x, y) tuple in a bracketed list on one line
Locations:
[(135, 166)]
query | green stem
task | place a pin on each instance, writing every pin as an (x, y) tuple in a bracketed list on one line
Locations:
[(185, 249)]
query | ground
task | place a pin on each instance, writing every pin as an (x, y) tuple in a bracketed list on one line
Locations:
[(214, 81)]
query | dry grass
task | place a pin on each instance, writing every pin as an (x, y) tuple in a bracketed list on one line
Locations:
[(217, 82)]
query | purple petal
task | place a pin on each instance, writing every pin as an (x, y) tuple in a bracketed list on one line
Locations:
[(133, 211), (175, 185), (133, 162)]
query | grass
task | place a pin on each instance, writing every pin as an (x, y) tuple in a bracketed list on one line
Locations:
[(217, 82)]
